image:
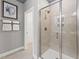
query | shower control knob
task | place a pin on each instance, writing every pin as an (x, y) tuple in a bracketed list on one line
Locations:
[(45, 28)]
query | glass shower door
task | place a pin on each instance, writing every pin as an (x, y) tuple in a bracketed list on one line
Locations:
[(50, 27), (69, 44)]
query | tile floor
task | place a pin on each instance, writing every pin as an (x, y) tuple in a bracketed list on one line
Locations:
[(23, 54)]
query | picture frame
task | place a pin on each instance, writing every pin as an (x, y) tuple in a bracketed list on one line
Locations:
[(9, 10), (16, 25), (6, 25)]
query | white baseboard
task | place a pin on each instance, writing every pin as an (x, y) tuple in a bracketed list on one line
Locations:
[(10, 52)]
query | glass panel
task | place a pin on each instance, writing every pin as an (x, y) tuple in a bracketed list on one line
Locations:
[(50, 32), (78, 26), (69, 29)]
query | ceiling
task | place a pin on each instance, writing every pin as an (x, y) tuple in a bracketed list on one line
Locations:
[(22, 1), (50, 1)]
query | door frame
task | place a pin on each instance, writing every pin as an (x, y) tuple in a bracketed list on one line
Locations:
[(25, 13)]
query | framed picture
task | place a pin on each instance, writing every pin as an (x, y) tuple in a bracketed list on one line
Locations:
[(9, 10), (7, 25), (16, 26)]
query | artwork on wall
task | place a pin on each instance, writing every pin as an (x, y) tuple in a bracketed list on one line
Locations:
[(10, 25), (9, 10), (15, 25), (7, 25)]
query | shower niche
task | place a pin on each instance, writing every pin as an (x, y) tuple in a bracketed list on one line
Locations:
[(59, 36)]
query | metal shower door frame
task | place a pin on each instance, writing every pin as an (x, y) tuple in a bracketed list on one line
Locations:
[(60, 31)]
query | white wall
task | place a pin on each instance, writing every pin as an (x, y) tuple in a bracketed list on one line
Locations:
[(42, 3), (28, 4)]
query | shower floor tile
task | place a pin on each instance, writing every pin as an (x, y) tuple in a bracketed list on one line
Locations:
[(51, 54)]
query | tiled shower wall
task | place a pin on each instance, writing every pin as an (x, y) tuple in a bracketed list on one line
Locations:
[(45, 30), (69, 34)]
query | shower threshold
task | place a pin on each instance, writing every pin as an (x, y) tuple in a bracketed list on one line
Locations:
[(52, 54)]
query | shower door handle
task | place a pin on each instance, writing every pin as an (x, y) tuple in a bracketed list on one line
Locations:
[(56, 35)]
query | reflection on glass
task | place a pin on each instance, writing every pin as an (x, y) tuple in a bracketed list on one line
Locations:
[(49, 38), (69, 29), (50, 42)]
